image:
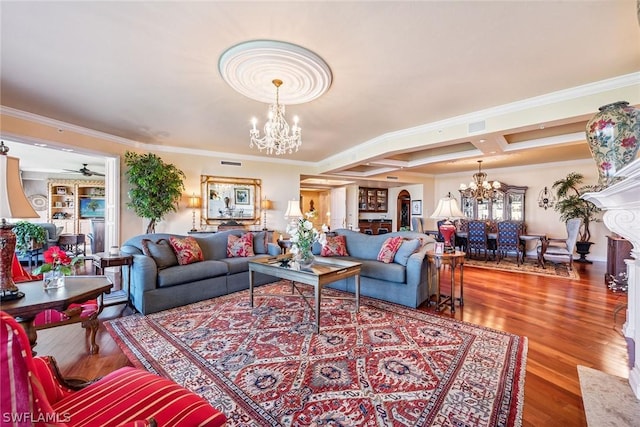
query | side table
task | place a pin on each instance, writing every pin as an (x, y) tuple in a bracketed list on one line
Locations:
[(71, 243), (454, 259), (102, 260)]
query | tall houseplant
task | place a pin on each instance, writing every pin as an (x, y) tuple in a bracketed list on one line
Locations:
[(569, 191), (29, 236), (156, 187)]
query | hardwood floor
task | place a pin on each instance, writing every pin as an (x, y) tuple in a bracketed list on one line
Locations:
[(567, 322)]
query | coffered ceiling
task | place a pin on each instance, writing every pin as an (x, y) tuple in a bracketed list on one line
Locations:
[(148, 72)]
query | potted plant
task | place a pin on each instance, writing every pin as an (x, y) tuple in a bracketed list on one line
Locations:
[(570, 204), (156, 187), (29, 236)]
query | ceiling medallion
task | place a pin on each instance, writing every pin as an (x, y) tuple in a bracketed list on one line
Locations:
[(250, 68)]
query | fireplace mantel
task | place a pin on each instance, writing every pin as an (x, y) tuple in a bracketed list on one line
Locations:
[(621, 203)]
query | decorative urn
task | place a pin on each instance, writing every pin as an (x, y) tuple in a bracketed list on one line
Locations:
[(613, 135)]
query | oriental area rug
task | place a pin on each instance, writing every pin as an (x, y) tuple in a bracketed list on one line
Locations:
[(384, 366), (560, 270)]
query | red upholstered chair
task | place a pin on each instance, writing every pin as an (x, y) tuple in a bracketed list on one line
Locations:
[(34, 394)]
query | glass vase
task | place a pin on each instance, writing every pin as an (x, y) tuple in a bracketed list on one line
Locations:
[(305, 259), (53, 279)]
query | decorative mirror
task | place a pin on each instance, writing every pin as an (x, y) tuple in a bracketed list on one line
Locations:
[(226, 199)]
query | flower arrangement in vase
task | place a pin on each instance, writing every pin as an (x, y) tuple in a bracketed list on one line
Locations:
[(57, 264), (303, 236)]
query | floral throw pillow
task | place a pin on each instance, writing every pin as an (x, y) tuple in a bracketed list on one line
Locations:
[(240, 246), (335, 246), (389, 249), (187, 250)]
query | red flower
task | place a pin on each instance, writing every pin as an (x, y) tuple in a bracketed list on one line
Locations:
[(56, 257), (629, 142)]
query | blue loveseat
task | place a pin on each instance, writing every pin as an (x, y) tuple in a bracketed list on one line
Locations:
[(404, 281)]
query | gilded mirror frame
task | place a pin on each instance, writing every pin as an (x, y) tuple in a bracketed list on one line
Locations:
[(225, 199)]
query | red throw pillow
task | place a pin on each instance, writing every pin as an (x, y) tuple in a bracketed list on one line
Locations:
[(240, 246), (187, 250), (389, 249), (335, 246)]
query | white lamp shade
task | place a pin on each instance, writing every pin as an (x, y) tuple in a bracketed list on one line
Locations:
[(293, 210), (194, 201), (13, 202), (447, 209)]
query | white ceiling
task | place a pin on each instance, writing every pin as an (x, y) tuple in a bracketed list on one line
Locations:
[(148, 71)]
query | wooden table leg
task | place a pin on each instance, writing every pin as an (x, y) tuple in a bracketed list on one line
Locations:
[(30, 329), (92, 324)]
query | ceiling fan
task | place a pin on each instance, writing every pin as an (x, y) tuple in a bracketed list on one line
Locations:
[(85, 171)]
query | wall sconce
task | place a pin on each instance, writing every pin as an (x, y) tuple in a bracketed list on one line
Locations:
[(546, 199), (265, 205), (194, 203)]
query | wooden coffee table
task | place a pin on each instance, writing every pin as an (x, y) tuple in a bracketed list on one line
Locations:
[(321, 273), (77, 289)]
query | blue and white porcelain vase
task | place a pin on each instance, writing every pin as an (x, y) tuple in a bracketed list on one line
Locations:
[(613, 135)]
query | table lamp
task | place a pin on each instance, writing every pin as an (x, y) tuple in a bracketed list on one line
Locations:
[(265, 205), (447, 209), (194, 203), (293, 212), (13, 204)]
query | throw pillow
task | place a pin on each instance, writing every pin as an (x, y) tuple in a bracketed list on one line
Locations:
[(240, 246), (407, 248), (260, 242), (335, 246), (161, 252), (389, 249), (187, 250)]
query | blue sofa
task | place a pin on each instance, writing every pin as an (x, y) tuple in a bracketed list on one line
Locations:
[(404, 281), (154, 289)]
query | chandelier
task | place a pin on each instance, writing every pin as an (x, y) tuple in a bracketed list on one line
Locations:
[(278, 137), (480, 189)]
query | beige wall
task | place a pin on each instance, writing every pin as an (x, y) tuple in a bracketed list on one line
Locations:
[(281, 184)]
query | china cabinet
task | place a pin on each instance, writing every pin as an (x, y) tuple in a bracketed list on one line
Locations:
[(507, 205), (372, 199)]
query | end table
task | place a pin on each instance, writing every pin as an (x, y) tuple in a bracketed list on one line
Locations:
[(102, 260), (454, 260)]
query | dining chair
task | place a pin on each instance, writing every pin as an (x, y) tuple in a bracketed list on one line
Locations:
[(563, 248), (477, 238), (508, 240), (416, 223)]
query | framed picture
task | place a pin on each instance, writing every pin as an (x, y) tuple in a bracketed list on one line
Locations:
[(416, 207), (439, 248), (242, 196)]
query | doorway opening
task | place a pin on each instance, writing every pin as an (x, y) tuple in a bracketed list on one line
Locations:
[(404, 210)]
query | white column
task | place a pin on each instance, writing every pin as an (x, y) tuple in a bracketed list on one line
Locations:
[(622, 204)]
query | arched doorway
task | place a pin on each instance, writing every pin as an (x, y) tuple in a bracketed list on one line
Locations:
[(404, 210)]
